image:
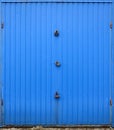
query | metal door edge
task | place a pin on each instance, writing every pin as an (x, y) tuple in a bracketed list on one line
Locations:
[(1, 68)]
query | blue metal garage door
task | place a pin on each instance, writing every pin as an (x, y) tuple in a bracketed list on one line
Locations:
[(56, 63)]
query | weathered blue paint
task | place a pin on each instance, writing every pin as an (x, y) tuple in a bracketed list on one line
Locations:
[(30, 49)]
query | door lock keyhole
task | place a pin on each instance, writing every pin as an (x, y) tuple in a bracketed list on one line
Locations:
[(57, 63), (56, 33)]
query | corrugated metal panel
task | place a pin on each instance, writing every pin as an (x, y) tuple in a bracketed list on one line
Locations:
[(31, 77)]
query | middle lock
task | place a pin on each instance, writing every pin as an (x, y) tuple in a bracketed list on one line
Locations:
[(57, 63)]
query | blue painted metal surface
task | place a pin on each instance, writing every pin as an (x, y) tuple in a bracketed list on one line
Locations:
[(112, 40), (1, 70), (30, 77)]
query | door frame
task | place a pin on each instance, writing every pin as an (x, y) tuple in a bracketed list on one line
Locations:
[(1, 67), (112, 86)]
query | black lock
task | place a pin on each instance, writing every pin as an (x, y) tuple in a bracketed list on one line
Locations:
[(57, 95), (57, 63), (56, 33)]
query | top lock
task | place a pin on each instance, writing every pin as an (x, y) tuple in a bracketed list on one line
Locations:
[(56, 33)]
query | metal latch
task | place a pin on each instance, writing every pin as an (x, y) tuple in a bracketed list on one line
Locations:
[(57, 63), (56, 33), (57, 95), (2, 25), (110, 102), (110, 25), (1, 102)]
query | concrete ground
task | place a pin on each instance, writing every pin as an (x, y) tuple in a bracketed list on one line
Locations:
[(40, 128)]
